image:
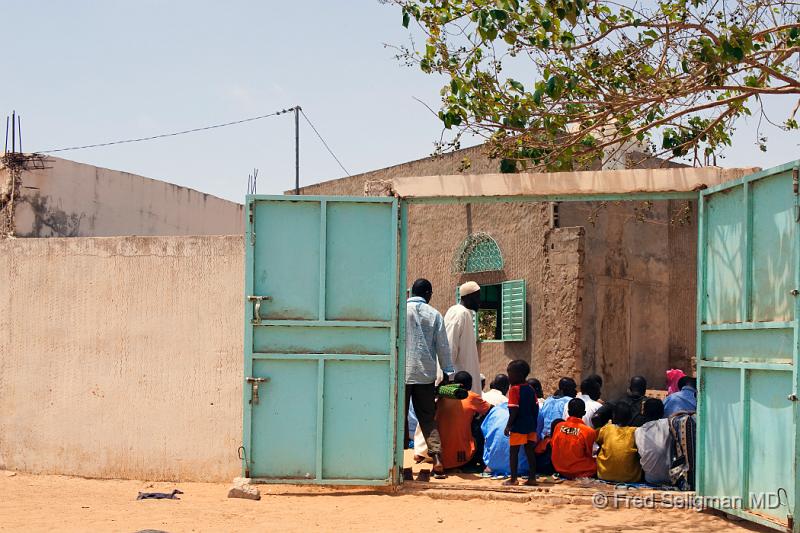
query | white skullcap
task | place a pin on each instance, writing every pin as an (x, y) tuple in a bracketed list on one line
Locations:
[(468, 288)]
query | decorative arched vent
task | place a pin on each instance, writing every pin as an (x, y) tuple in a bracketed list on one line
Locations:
[(478, 253)]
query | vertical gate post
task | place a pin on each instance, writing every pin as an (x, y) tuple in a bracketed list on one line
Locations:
[(701, 312), (794, 524), (401, 342)]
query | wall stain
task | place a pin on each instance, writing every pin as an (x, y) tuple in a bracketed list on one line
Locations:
[(56, 220)]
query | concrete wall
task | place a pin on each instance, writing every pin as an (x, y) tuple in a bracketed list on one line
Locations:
[(121, 357), (69, 199)]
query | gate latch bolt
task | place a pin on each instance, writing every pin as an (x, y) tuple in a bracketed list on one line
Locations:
[(254, 383)]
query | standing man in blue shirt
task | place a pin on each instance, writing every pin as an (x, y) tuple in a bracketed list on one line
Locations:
[(426, 342), (683, 400)]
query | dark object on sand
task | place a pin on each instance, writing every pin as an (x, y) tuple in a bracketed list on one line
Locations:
[(159, 495)]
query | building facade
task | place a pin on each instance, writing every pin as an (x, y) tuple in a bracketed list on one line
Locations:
[(606, 287)]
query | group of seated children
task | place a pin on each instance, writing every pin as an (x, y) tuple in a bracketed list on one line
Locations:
[(633, 439)]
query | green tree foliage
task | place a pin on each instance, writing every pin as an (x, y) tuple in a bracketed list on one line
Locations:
[(673, 75)]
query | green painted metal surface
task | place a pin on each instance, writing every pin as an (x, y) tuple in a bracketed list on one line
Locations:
[(748, 346), (514, 306), (324, 340), (479, 252)]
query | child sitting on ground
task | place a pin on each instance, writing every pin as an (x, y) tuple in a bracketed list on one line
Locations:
[(618, 458), (572, 444), (523, 412), (544, 451)]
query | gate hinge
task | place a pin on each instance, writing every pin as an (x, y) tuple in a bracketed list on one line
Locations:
[(252, 225)]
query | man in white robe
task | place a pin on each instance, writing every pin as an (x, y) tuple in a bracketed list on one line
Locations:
[(460, 327)]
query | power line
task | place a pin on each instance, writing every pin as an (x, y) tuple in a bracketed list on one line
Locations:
[(323, 141), (173, 134)]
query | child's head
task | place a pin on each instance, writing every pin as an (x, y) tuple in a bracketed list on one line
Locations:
[(568, 387), (537, 387), (556, 422), (687, 381), (622, 414), (500, 382), (591, 388), (653, 409), (464, 379), (638, 386), (597, 378), (517, 371), (576, 407)]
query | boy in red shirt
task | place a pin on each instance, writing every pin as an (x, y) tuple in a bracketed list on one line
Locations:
[(572, 444), (523, 412)]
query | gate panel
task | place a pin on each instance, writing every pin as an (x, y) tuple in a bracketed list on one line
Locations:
[(360, 239), (724, 256), (287, 249), (321, 319), (723, 412), (350, 387), (773, 248), (771, 447), (748, 345), (285, 420)]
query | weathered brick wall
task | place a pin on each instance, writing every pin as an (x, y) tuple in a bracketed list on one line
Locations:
[(639, 292)]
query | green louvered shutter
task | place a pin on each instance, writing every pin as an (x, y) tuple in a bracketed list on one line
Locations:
[(514, 310)]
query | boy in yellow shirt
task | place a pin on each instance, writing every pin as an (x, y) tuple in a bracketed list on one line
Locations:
[(618, 458)]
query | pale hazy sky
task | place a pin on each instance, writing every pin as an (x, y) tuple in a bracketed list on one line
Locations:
[(84, 72)]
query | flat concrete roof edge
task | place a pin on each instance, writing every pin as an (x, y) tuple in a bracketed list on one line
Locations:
[(592, 182)]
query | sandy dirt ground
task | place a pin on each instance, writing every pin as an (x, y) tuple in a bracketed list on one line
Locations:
[(58, 503)]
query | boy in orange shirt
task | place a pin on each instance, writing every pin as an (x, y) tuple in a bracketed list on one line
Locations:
[(454, 418), (523, 413), (572, 444)]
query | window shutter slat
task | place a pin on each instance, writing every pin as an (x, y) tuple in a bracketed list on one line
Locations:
[(514, 310)]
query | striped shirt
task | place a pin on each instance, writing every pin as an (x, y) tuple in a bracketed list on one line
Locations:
[(426, 341)]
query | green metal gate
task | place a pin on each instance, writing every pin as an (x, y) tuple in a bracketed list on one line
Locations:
[(747, 347), (321, 353)]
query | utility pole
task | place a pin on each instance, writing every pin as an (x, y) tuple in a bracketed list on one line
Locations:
[(297, 149)]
